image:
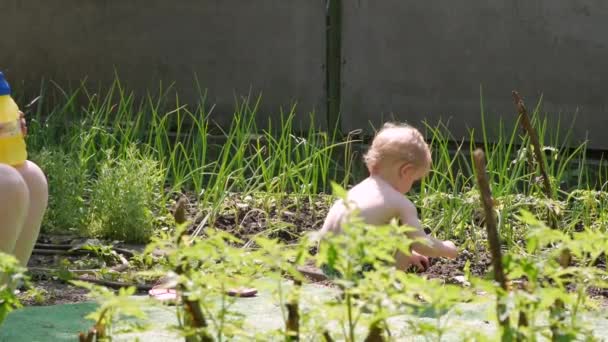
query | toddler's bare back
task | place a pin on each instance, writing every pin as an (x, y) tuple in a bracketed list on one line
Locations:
[(377, 202)]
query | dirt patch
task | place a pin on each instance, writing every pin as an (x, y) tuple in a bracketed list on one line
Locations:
[(52, 292), (479, 265), (48, 273), (286, 219), (48, 289)]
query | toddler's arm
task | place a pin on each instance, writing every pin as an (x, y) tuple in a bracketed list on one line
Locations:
[(425, 244), (332, 223)]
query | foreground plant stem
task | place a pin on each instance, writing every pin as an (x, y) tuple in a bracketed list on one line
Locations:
[(493, 240), (351, 324), (98, 332), (526, 123), (195, 316), (293, 315), (327, 336), (375, 333), (565, 256)]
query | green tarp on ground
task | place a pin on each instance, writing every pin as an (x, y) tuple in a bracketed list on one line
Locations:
[(63, 322)]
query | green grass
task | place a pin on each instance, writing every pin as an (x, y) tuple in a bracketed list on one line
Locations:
[(194, 154), (280, 159), (116, 162)]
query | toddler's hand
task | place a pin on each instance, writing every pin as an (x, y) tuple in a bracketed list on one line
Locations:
[(450, 249), (419, 261)]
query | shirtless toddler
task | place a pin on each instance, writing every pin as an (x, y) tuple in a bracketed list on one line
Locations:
[(397, 158)]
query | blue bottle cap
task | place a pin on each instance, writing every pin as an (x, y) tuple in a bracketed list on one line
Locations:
[(5, 89)]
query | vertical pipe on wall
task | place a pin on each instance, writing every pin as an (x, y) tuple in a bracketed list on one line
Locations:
[(334, 63)]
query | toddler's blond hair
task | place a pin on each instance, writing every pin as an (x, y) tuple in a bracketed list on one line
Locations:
[(398, 142)]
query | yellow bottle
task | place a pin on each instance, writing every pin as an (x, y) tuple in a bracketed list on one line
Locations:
[(12, 144)]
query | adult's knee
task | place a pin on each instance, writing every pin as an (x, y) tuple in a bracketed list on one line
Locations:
[(14, 190), (35, 180), (13, 187)]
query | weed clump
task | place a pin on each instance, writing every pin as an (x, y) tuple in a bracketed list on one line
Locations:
[(67, 181), (125, 196)]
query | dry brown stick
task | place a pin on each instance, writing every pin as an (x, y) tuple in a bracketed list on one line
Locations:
[(490, 217), (375, 333), (493, 239), (126, 252), (312, 273), (293, 316), (194, 311), (55, 270), (193, 307), (523, 319), (565, 257), (64, 247), (292, 324), (179, 213), (327, 336), (114, 269), (115, 284), (49, 249), (526, 124), (91, 335), (60, 252)]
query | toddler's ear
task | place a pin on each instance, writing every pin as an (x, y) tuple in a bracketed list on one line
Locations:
[(406, 169)]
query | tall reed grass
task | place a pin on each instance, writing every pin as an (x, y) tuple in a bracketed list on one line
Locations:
[(285, 156)]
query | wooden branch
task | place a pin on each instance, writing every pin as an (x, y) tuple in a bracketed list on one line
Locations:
[(115, 284), (197, 320), (493, 239), (523, 319), (375, 333), (194, 311), (490, 217), (565, 257), (60, 252), (114, 269), (293, 316), (327, 336), (526, 123), (90, 335), (193, 307), (123, 251), (55, 270), (50, 249), (312, 273), (62, 247), (179, 214)]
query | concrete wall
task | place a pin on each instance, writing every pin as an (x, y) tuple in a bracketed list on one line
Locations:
[(428, 59), (413, 59), (276, 47)]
